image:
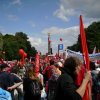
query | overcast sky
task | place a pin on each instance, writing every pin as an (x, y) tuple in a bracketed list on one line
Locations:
[(37, 18)]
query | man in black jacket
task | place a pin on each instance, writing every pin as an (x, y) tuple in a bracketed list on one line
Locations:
[(9, 81), (66, 88)]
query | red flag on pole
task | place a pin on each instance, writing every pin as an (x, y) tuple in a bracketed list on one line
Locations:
[(87, 95), (84, 45)]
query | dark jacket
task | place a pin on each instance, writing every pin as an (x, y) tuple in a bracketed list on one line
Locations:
[(28, 89), (8, 80), (66, 89)]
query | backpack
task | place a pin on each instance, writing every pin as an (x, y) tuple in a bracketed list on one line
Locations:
[(35, 88)]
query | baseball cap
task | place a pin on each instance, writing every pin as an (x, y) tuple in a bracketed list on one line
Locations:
[(59, 64)]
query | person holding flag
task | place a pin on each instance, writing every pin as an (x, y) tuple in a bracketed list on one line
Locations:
[(66, 87), (86, 59)]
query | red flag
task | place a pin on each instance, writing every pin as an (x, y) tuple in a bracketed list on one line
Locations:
[(84, 45), (85, 56), (37, 65), (47, 59), (1, 61), (57, 57)]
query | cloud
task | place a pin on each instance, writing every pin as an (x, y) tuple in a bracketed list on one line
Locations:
[(52, 30), (61, 31), (68, 8), (39, 44), (12, 17), (35, 41), (16, 2), (69, 36), (63, 13)]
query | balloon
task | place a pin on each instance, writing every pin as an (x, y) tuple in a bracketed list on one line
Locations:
[(25, 54), (49, 41), (60, 39), (21, 52)]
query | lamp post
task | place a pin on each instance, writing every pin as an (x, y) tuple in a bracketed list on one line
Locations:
[(49, 44)]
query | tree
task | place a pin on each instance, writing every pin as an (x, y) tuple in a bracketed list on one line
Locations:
[(1, 44), (92, 36), (12, 44), (25, 44)]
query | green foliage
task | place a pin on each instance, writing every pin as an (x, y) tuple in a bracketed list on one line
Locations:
[(92, 36), (12, 44)]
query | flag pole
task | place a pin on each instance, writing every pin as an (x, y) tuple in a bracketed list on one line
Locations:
[(86, 60)]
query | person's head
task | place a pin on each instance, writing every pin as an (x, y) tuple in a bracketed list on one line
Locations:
[(3, 67), (52, 62), (59, 64), (31, 73), (92, 65), (72, 65), (15, 69), (33, 59), (26, 60), (29, 67)]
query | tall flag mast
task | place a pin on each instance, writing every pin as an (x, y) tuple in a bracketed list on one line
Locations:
[(49, 44)]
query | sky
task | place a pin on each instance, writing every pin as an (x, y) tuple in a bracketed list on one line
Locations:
[(37, 18)]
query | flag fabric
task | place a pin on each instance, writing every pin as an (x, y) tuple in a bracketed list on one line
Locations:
[(37, 65), (47, 59), (1, 61), (87, 95), (56, 56), (84, 45), (80, 76)]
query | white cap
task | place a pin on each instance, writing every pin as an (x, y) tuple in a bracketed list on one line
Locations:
[(59, 64), (98, 69)]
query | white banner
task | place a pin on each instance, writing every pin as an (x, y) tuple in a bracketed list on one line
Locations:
[(95, 56)]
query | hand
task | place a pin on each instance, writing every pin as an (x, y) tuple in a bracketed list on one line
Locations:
[(88, 76), (10, 88)]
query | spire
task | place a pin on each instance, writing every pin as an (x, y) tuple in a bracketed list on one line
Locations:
[(49, 44)]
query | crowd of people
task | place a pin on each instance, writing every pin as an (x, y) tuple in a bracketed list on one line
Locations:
[(56, 80)]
